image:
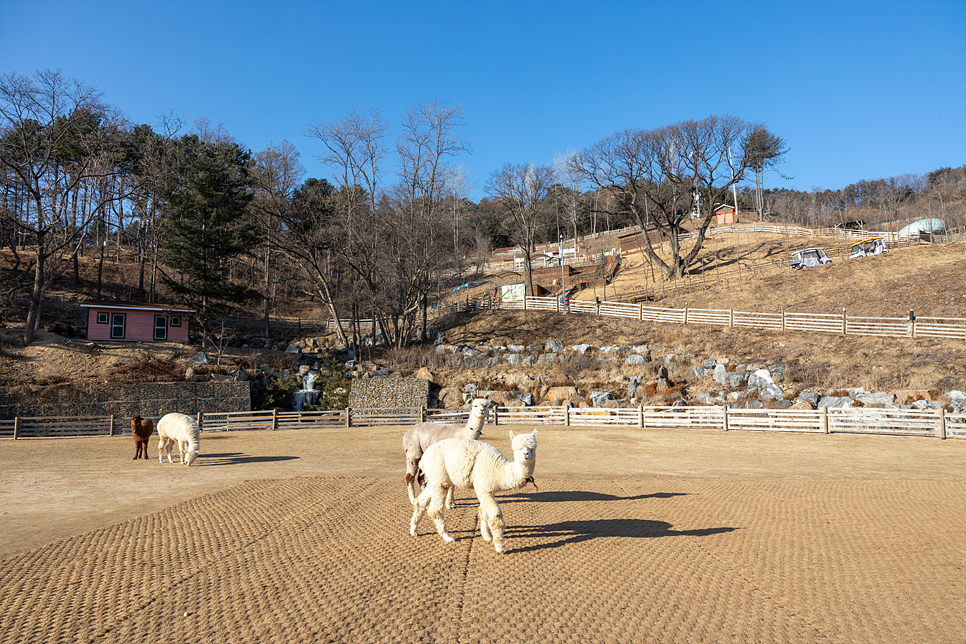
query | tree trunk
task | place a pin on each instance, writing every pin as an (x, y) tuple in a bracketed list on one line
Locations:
[(100, 268), (422, 336), (267, 295), (37, 294)]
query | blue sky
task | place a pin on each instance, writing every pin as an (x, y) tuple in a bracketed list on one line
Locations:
[(858, 89)]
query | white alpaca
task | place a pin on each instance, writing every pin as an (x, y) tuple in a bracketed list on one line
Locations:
[(422, 435), (474, 465), (180, 429)]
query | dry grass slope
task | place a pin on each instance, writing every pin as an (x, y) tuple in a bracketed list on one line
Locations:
[(927, 279)]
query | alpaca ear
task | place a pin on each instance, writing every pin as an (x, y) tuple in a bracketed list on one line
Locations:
[(534, 433), (512, 435)]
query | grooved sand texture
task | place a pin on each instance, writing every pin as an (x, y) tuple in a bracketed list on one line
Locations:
[(329, 559)]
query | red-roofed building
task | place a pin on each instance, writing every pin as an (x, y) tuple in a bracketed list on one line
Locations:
[(725, 214), (136, 321)]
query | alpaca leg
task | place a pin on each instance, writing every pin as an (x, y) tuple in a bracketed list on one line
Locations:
[(496, 527), (412, 473), (422, 502), (450, 501), (494, 521), (484, 525), (411, 488), (145, 449), (137, 449), (161, 443), (436, 506)]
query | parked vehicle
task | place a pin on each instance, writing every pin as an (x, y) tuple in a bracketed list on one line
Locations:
[(866, 247), (809, 257)]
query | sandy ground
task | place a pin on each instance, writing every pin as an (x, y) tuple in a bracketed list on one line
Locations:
[(633, 536)]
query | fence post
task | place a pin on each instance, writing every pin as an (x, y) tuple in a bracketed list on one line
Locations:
[(640, 416), (726, 426), (685, 312), (201, 421), (942, 423), (566, 415), (16, 427), (496, 415), (348, 420), (639, 306), (422, 414), (845, 323), (783, 319), (274, 418), (825, 419), (912, 323), (731, 317), (112, 426)]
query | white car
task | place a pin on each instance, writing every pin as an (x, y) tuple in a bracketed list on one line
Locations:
[(809, 257), (866, 247)]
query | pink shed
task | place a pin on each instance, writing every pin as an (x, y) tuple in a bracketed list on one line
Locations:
[(136, 321)]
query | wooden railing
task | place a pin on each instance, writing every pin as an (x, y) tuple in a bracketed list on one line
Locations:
[(862, 420), (838, 323)]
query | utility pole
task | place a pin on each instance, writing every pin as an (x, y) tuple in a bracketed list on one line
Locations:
[(563, 276)]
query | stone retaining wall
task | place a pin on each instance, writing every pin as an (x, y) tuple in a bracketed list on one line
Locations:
[(389, 392), (151, 399)]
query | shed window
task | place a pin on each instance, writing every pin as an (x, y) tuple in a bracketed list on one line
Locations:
[(175, 320), (102, 317), (117, 325), (160, 327)]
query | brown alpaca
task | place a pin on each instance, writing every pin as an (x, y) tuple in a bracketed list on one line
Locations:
[(141, 430)]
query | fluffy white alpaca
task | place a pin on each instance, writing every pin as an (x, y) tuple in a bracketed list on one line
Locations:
[(420, 436), (476, 466), (180, 429)]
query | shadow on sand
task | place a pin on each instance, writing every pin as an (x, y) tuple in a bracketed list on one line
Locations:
[(237, 458), (560, 534), (579, 496)]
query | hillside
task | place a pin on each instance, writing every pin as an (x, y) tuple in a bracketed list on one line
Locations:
[(927, 279)]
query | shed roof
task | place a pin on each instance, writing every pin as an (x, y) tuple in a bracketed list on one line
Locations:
[(142, 306), (931, 225)]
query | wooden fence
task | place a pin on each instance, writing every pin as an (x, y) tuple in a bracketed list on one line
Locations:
[(863, 420), (838, 323)]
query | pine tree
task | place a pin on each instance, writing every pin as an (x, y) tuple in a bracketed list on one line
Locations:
[(207, 223)]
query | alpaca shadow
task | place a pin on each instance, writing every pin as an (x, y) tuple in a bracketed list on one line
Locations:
[(580, 495), (567, 532), (237, 458)]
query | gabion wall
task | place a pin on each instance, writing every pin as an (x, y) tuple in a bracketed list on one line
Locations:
[(389, 392), (150, 399)]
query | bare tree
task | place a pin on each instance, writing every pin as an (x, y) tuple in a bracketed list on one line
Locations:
[(458, 187), (568, 174), (56, 137), (354, 148), (310, 234), (428, 140), (521, 191), (395, 240), (657, 176), (946, 186), (278, 173)]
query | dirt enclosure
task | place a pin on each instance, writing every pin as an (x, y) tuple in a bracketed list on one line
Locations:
[(634, 535)]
